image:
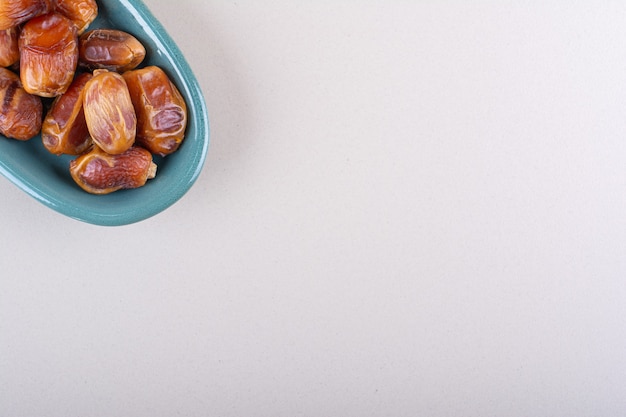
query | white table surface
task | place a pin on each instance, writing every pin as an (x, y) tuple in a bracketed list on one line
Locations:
[(409, 208)]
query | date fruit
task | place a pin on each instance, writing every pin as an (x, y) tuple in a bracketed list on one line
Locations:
[(20, 112), (16, 12), (160, 108), (110, 49), (109, 112), (9, 49), (64, 129), (98, 172), (48, 54), (81, 12)]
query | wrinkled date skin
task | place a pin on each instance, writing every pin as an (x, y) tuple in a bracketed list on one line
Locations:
[(16, 12), (20, 112), (161, 110), (48, 55), (98, 172), (109, 112), (110, 49), (64, 129), (9, 49), (81, 12)]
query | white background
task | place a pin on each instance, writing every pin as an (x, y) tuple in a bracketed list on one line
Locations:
[(409, 208)]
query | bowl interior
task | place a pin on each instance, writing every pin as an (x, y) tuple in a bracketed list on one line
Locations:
[(46, 177)]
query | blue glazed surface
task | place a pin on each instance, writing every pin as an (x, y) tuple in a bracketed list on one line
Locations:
[(46, 177)]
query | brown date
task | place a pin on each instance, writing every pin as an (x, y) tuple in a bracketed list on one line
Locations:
[(161, 110), (16, 12), (98, 172), (9, 50), (20, 112), (48, 54), (110, 49), (81, 12), (109, 112), (64, 129)]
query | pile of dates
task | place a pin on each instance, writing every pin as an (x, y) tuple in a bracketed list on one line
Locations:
[(98, 104)]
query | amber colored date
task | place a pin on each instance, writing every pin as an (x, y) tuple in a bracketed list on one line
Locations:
[(161, 110), (16, 12), (48, 54), (109, 112), (81, 12), (64, 129), (98, 172), (110, 49), (9, 49), (20, 112)]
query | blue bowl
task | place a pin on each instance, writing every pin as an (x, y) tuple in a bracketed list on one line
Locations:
[(46, 177)]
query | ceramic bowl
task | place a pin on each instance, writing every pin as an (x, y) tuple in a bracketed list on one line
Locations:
[(46, 177)]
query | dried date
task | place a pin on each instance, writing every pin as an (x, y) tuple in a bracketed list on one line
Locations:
[(16, 12), (48, 54), (98, 172), (9, 49), (80, 12), (160, 108), (64, 129), (110, 49), (109, 112), (20, 112)]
